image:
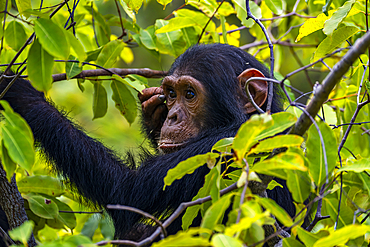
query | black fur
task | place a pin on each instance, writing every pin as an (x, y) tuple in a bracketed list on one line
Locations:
[(103, 178)]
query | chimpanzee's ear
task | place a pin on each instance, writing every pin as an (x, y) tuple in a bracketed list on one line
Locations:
[(257, 88)]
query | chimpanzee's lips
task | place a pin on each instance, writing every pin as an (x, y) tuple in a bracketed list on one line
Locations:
[(170, 145)]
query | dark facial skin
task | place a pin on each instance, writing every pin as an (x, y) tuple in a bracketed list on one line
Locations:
[(185, 100)]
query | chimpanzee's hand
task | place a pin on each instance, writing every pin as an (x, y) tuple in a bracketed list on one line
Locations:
[(154, 109)]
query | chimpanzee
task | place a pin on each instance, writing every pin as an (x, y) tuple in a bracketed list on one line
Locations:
[(201, 101)]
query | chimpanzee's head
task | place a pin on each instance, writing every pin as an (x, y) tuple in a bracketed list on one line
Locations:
[(205, 89)]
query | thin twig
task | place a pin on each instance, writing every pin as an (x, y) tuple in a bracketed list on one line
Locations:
[(209, 20)]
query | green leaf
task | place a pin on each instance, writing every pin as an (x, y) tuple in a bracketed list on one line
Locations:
[(8, 164), (107, 227), (124, 100), (245, 138), (110, 53), (273, 184), (192, 212), (17, 138), (241, 12), (275, 6), (23, 5), (216, 212), (91, 225), (77, 240), (330, 43), (131, 81), (41, 184), (41, 206), (341, 236), (63, 219), (315, 153), (185, 239), (76, 45), (281, 215), (148, 37), (299, 185), (330, 204), (176, 24), (338, 16), (292, 242), (356, 166), (22, 233), (135, 4), (40, 67), (171, 43), (128, 11), (279, 164), (277, 142), (164, 2), (222, 240), (308, 238), (52, 38), (312, 25), (15, 35), (209, 7), (223, 144), (72, 68), (282, 121), (100, 101), (188, 166)]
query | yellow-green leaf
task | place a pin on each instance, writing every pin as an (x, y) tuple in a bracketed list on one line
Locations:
[(277, 142), (15, 35), (23, 232), (41, 206), (188, 166), (41, 184), (341, 236), (338, 16), (312, 25), (222, 240), (52, 38), (110, 53)]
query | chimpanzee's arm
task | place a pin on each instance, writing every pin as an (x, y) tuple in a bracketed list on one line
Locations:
[(98, 174)]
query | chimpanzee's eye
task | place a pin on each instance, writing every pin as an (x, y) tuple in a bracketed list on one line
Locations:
[(171, 94), (189, 94)]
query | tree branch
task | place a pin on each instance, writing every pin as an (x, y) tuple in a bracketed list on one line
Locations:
[(322, 93)]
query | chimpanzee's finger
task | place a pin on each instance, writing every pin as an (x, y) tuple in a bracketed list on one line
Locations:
[(147, 93), (149, 105), (158, 114)]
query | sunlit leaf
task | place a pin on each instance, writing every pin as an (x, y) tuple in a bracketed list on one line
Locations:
[(40, 67), (52, 38), (356, 166), (186, 239), (312, 25), (17, 138), (292, 242), (132, 82), (245, 138), (63, 219), (8, 164), (330, 43), (15, 35), (23, 232), (176, 24), (275, 6), (23, 5), (171, 43), (308, 238), (188, 166), (72, 68), (110, 53), (147, 37), (130, 13), (277, 142), (241, 12), (41, 184), (77, 46), (341, 236), (338, 16), (222, 240), (135, 4), (282, 121)]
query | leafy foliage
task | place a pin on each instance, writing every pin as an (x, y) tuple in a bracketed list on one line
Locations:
[(327, 170)]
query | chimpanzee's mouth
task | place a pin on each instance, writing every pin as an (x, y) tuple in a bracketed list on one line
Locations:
[(167, 147)]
